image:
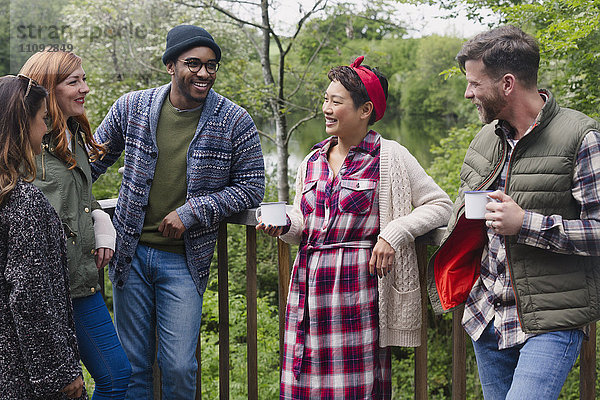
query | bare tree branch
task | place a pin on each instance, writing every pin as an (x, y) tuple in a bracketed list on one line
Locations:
[(295, 105), (252, 40), (237, 2), (276, 98), (319, 5), (298, 124), (140, 60), (227, 13), (311, 60), (266, 136)]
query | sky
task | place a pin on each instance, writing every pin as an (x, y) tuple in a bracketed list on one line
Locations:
[(423, 19), (427, 20), (29, 33)]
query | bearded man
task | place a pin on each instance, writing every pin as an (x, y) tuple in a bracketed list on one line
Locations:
[(529, 273)]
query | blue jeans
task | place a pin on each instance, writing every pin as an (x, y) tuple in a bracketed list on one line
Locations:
[(534, 370), (159, 297), (100, 349)]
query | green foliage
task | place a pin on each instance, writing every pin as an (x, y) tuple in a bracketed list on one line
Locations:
[(449, 156), (267, 345), (88, 381), (569, 36), (343, 25), (235, 74), (108, 184), (422, 104), (121, 45), (5, 38), (30, 26), (477, 10), (428, 102)]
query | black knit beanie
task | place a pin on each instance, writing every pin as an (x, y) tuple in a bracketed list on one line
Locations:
[(184, 37)]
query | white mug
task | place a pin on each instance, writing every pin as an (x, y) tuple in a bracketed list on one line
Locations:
[(272, 213), (475, 202)]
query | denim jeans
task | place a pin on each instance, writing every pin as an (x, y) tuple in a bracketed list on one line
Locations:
[(534, 370), (100, 349), (159, 297)]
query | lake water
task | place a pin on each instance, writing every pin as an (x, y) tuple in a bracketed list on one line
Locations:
[(416, 134)]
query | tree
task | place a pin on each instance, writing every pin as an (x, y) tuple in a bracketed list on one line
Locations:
[(4, 39), (274, 69), (121, 45), (569, 36), (272, 42), (29, 27), (478, 10)]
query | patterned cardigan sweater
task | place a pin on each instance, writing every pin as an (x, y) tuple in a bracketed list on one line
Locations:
[(38, 347), (225, 174), (410, 205)]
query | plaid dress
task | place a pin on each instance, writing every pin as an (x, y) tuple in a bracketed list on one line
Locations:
[(331, 348)]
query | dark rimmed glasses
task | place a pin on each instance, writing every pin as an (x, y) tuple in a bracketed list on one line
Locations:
[(30, 83), (195, 65)]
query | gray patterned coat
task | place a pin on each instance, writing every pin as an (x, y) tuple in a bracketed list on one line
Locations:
[(38, 347)]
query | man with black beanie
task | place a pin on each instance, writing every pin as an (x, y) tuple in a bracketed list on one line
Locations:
[(192, 158)]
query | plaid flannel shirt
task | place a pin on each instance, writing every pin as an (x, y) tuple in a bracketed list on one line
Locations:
[(492, 296)]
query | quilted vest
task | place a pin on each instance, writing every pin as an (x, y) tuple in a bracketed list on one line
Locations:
[(553, 291)]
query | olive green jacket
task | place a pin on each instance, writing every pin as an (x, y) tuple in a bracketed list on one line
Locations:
[(70, 193), (553, 291)]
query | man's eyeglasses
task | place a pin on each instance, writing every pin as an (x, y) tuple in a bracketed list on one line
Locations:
[(195, 65), (30, 83)]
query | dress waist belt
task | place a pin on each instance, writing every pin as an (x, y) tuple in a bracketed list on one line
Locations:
[(357, 244)]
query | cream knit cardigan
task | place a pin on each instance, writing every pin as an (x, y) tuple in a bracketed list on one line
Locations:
[(410, 205)]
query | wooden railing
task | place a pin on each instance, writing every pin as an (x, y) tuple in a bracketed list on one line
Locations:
[(587, 386)]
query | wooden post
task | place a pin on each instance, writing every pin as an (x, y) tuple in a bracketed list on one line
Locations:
[(459, 357), (421, 351), (222, 262), (101, 283), (199, 372), (251, 311), (156, 376), (283, 250), (587, 367)]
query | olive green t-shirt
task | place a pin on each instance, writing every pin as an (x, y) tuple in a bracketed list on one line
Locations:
[(174, 134)]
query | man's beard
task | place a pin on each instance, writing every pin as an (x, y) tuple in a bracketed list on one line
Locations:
[(185, 90), (490, 107)]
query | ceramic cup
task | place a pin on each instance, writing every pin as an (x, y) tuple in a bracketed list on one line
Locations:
[(272, 213), (475, 202)]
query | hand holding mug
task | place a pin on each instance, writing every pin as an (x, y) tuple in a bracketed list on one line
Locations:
[(271, 218), (274, 231), (504, 215)]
